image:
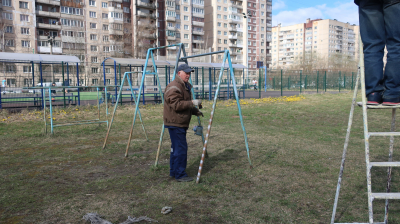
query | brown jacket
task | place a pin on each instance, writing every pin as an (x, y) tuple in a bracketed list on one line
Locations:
[(178, 106)]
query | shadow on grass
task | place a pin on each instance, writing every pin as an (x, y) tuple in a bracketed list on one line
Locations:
[(217, 160)]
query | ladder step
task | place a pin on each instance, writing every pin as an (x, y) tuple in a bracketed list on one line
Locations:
[(385, 164), (384, 133), (385, 195), (380, 106)]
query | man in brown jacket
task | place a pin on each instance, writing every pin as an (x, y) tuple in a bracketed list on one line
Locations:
[(178, 110)]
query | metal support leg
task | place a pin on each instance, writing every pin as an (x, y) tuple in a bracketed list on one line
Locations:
[(346, 144)]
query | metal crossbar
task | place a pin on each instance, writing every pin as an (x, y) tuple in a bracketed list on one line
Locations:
[(371, 195)]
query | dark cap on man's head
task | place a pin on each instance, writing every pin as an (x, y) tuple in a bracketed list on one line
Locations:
[(185, 68)]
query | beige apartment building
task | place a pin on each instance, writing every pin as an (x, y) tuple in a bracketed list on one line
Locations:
[(243, 27), (323, 38), (96, 29)]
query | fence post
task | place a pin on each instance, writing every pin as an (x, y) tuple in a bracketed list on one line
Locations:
[(41, 83), (274, 83), (202, 82), (300, 78), (340, 79), (166, 76), (209, 83), (120, 82), (33, 76), (281, 82), (344, 81), (305, 83), (259, 83), (144, 81), (317, 80), (77, 77), (352, 74), (325, 81)]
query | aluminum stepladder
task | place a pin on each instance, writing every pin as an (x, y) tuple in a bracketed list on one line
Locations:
[(371, 195)]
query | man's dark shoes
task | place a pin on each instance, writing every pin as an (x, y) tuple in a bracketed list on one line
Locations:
[(185, 179), (374, 98), (391, 102)]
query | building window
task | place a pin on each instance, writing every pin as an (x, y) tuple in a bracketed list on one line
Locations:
[(94, 81), (108, 71), (186, 18), (219, 32), (225, 25), (219, 41), (225, 33), (186, 27), (186, 36), (219, 8), (225, 9), (105, 38), (104, 4), (25, 31), (9, 29), (225, 17), (94, 59), (6, 2), (93, 36), (10, 43), (7, 15), (25, 43), (218, 16), (104, 15), (185, 9), (225, 41), (105, 27), (27, 69), (219, 24), (24, 18), (23, 5), (106, 49), (92, 3), (93, 48), (93, 25), (92, 14)]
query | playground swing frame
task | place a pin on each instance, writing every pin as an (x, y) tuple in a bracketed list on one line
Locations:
[(183, 59)]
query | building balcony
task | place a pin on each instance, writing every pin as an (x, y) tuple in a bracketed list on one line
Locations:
[(169, 7), (198, 6), (339, 28), (232, 29), (171, 19), (352, 49), (146, 15), (232, 45), (146, 5), (195, 32), (240, 46), (171, 28), (114, 20), (172, 48), (198, 15), (49, 26), (46, 50), (269, 55), (235, 5), (198, 41), (234, 21), (268, 47), (171, 37), (48, 14), (232, 37), (236, 61), (48, 2), (147, 25), (351, 40), (115, 9), (115, 32), (118, 1), (196, 50), (195, 23), (149, 35)]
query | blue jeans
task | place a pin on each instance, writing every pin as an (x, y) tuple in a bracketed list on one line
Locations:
[(380, 26), (179, 148)]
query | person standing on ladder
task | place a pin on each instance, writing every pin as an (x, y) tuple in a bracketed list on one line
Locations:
[(255, 84), (178, 110), (379, 27)]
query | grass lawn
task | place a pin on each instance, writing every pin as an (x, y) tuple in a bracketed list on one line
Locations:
[(295, 147)]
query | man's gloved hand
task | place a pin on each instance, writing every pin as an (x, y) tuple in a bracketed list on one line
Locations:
[(196, 102), (199, 114)]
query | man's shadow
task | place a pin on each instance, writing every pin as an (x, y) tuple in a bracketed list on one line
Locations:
[(214, 159)]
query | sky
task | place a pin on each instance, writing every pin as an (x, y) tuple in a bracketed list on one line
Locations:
[(289, 12)]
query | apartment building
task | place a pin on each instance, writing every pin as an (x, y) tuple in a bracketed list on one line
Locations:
[(181, 22), (323, 38), (243, 27)]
